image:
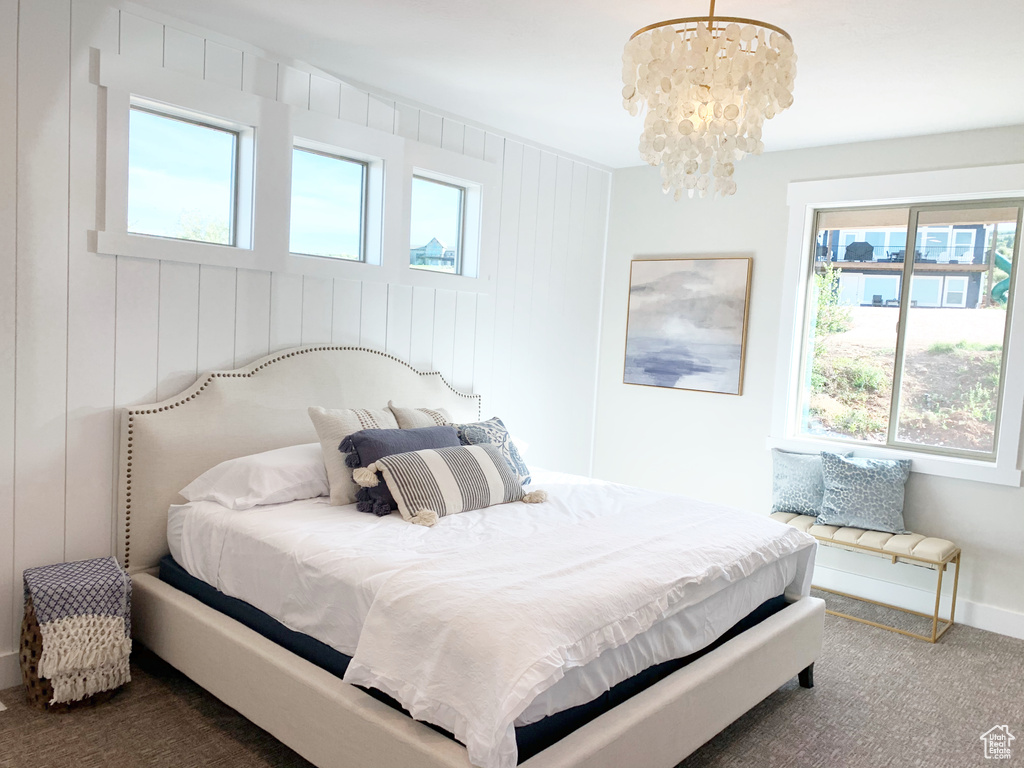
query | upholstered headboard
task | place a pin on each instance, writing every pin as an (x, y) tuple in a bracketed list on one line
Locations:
[(226, 414)]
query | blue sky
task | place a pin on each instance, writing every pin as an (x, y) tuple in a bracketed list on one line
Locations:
[(435, 213), (177, 169), (184, 172)]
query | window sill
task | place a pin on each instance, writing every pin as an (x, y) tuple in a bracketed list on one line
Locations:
[(960, 468)]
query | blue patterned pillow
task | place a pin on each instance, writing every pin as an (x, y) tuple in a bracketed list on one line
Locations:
[(797, 483), (863, 493), (493, 432)]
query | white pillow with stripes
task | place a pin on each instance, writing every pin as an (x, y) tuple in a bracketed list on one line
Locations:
[(434, 483)]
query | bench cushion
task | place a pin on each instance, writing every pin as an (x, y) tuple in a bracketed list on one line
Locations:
[(934, 550)]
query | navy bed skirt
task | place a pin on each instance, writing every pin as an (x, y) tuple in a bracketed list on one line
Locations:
[(530, 739)]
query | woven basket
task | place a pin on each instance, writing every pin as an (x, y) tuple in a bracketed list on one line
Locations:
[(39, 690)]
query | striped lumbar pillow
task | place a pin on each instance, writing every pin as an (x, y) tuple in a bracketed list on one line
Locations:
[(434, 483)]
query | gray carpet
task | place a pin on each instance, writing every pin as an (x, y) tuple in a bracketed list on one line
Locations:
[(880, 699)]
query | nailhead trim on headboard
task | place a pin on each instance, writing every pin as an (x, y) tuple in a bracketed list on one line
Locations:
[(133, 412)]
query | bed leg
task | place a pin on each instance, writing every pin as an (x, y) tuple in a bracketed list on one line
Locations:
[(806, 677)]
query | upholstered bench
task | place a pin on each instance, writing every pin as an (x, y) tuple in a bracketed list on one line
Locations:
[(912, 548)]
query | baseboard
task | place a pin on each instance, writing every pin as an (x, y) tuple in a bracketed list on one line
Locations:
[(979, 615), (10, 670)]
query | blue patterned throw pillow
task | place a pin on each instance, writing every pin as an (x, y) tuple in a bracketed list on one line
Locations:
[(797, 483), (493, 432), (863, 493)]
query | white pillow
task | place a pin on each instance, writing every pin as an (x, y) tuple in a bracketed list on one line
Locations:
[(272, 477), (333, 426)]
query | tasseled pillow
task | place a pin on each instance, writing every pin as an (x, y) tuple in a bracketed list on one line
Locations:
[(369, 445)]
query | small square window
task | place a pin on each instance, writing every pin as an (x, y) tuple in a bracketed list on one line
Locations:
[(328, 205), (181, 178), (435, 232)]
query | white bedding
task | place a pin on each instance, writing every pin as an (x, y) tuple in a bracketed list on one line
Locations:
[(318, 569)]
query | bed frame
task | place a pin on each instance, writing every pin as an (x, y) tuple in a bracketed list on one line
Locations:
[(335, 725)]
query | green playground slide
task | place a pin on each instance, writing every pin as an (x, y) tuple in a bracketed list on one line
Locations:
[(1000, 289)]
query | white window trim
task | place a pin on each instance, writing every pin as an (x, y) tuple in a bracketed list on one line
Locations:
[(278, 128), (258, 247), (479, 179), (897, 189), (384, 154)]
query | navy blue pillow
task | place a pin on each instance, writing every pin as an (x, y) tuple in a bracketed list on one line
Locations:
[(365, 447)]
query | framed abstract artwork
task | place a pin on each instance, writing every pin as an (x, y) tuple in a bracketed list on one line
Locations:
[(686, 323)]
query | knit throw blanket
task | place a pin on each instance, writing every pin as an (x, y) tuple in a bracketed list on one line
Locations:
[(84, 615)]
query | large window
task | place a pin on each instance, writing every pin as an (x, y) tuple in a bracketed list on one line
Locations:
[(436, 225), (909, 351), (181, 178), (328, 212)]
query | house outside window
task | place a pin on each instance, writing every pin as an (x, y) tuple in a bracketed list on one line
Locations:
[(436, 225), (909, 352)]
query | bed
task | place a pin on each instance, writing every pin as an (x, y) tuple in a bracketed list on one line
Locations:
[(331, 723)]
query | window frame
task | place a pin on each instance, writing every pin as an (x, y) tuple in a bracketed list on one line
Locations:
[(480, 181), (1004, 183), (460, 249), (301, 146), (265, 184), (243, 148)]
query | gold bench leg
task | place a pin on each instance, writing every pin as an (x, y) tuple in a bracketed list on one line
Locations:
[(934, 616)]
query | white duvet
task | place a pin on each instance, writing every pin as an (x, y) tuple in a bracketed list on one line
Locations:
[(481, 622)]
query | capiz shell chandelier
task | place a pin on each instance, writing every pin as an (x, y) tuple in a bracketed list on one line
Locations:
[(708, 83)]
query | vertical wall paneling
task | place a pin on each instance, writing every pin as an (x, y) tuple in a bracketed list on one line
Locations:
[(259, 76), (464, 342), (453, 135), (421, 354), (518, 376), (373, 315), (178, 329), (347, 312), (483, 347), (217, 289), (285, 311), (184, 52), (8, 243), (142, 40), (293, 86), (380, 114), (504, 300), (444, 333), (554, 315), (527, 246), (252, 315), (324, 95), (223, 65), (493, 151), (575, 306), (92, 278), (399, 338), (136, 331), (591, 283), (317, 309), (83, 335), (535, 325), (354, 105), (44, 32), (473, 142), (407, 121), (430, 128)]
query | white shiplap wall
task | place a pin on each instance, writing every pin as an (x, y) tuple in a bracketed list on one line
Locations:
[(84, 335)]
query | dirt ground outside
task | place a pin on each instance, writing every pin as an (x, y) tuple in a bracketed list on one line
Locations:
[(950, 377)]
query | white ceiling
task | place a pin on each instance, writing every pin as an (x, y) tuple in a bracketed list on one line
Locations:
[(549, 70)]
